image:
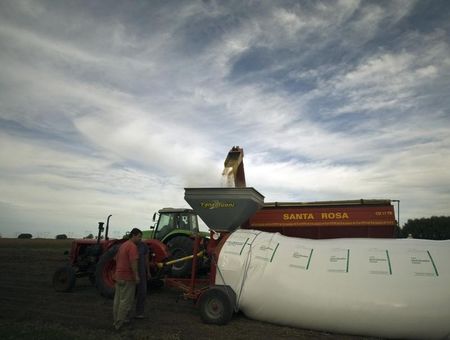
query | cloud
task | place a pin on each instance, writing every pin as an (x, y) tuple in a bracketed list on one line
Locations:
[(114, 109)]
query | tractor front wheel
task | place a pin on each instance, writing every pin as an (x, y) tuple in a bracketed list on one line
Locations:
[(104, 273), (64, 279)]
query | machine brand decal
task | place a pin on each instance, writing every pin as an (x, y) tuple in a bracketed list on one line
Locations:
[(301, 258), (384, 213), (422, 263), (310, 216), (379, 262), (217, 204), (302, 216), (334, 216), (339, 260), (235, 246), (266, 252)]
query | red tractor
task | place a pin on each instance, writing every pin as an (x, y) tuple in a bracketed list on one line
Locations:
[(94, 258)]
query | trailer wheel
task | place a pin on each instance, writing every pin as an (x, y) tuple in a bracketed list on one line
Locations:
[(217, 305), (64, 279), (104, 272), (181, 246)]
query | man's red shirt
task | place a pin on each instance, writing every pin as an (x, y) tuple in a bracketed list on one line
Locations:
[(127, 254)]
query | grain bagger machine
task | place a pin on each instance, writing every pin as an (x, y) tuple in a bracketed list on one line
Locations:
[(223, 210)]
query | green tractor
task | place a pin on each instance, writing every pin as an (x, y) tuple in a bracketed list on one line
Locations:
[(176, 228)]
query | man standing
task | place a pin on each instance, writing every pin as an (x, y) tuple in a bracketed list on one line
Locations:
[(144, 276), (127, 277)]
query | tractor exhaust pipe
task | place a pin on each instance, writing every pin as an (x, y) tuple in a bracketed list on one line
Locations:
[(107, 227), (100, 229)]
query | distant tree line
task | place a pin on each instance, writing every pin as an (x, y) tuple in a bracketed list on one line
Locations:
[(432, 228), (30, 236)]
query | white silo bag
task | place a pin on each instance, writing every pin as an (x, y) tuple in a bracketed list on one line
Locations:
[(394, 288)]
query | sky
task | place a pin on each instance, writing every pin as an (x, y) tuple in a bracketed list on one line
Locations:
[(114, 107)]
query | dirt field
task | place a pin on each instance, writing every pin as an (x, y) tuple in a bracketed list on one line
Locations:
[(31, 309)]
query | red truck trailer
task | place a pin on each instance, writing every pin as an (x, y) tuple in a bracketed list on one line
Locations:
[(332, 219)]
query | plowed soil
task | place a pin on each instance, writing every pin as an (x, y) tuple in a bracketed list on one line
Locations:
[(31, 309)]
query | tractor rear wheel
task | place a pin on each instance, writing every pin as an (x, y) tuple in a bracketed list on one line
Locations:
[(92, 279), (181, 246), (104, 272), (64, 279), (217, 305)]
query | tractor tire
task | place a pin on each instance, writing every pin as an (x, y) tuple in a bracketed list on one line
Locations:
[(104, 273), (92, 279), (217, 305), (181, 246), (64, 279)]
